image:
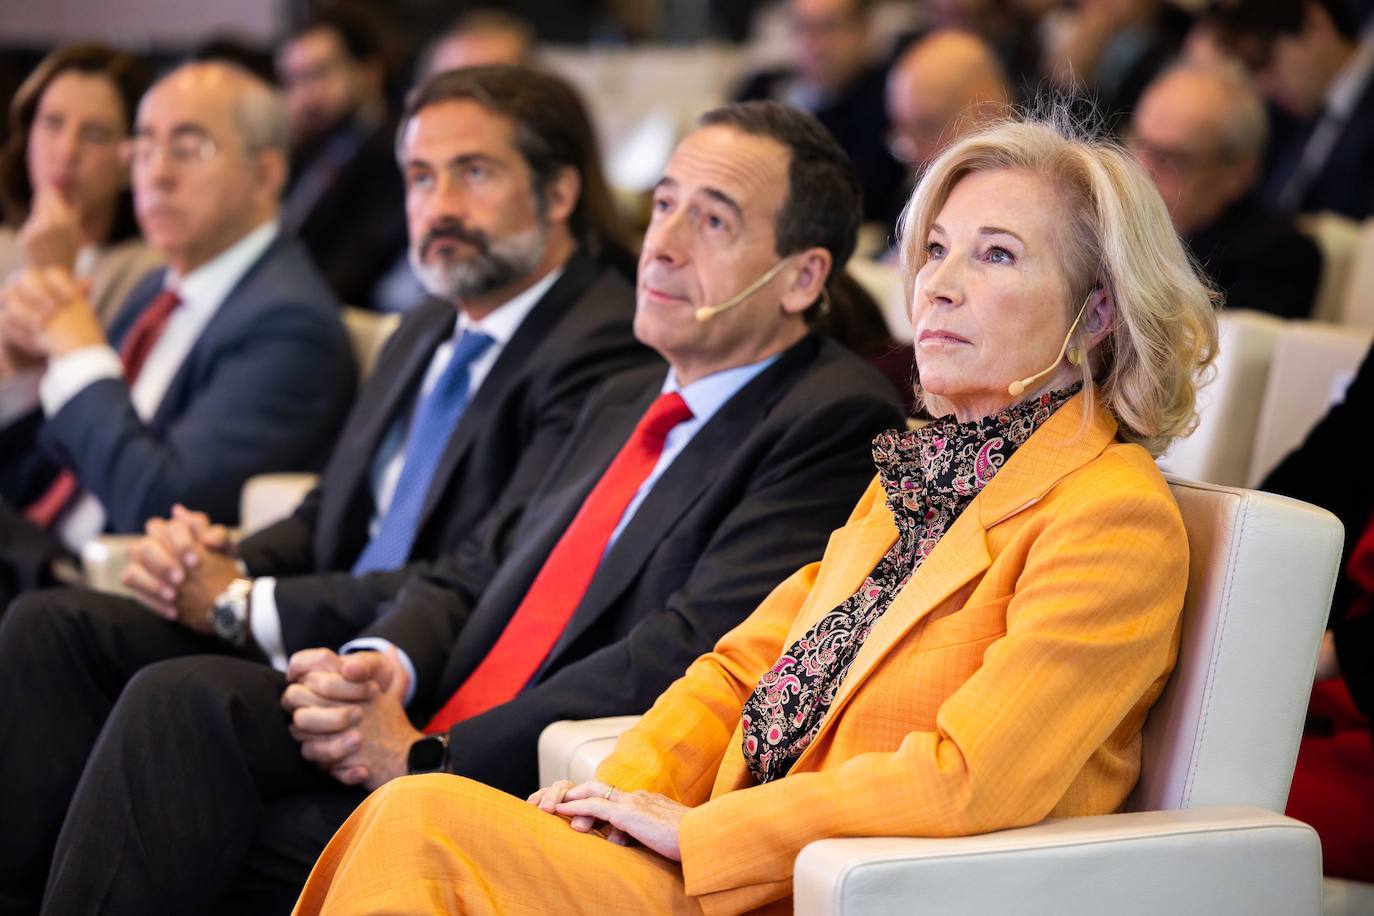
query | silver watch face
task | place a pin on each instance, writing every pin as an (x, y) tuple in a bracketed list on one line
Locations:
[(228, 625)]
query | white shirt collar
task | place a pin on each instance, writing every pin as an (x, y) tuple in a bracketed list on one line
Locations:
[(707, 395), (504, 320), (203, 289)]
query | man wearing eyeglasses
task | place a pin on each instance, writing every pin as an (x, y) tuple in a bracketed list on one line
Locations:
[(231, 362), (1199, 131)]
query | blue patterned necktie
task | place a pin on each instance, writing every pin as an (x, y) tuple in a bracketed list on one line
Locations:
[(434, 422)]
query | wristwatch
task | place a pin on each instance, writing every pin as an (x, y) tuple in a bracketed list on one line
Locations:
[(229, 617), (428, 755)]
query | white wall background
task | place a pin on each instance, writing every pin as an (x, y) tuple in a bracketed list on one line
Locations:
[(136, 23)]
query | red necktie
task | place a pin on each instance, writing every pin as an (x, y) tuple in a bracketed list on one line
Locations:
[(558, 589), (46, 509)]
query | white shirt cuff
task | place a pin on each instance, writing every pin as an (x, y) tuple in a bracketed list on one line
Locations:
[(68, 376), (377, 644), (19, 395), (265, 621)]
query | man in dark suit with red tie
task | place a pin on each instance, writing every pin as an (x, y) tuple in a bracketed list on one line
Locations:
[(231, 362), (470, 403), (680, 501)]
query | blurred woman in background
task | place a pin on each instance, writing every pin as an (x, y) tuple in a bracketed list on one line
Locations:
[(64, 184)]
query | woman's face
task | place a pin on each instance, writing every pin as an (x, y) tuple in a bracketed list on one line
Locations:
[(991, 302), (74, 142)]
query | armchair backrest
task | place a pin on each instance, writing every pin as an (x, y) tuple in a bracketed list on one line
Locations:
[(368, 332), (1226, 729), (1218, 451), (1311, 367)]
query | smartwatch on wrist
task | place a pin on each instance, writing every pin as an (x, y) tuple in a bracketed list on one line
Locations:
[(428, 755), (229, 616)]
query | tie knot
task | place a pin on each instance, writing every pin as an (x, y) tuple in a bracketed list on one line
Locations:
[(163, 305), (471, 345), (663, 414)]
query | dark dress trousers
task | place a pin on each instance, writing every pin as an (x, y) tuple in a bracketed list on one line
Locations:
[(196, 796), (264, 388), (508, 437)]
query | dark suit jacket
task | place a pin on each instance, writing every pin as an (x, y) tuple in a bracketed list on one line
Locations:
[(356, 230), (1345, 183), (576, 335), (1310, 473), (1260, 260), (264, 388), (751, 498)]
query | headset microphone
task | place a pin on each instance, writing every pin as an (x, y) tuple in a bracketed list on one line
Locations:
[(707, 312), (1018, 387)]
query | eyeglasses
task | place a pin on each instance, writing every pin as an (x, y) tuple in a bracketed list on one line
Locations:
[(1174, 160), (185, 148)]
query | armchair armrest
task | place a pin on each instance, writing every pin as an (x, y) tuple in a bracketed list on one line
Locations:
[(1216, 860), (574, 749), (103, 560), (269, 498)]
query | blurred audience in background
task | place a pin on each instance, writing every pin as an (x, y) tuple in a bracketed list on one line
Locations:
[(1199, 131), (945, 85), (481, 38), (478, 39), (345, 198), (230, 363), (64, 183), (1108, 50), (1316, 67), (832, 77), (1008, 28)]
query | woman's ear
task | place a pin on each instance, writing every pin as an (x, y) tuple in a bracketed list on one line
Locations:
[(1100, 316)]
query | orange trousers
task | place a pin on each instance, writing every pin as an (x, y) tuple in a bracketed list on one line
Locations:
[(445, 844)]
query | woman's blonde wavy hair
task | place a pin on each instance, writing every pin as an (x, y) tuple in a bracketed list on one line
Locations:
[(1164, 332)]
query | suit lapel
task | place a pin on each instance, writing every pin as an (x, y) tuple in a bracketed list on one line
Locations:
[(681, 485), (434, 326), (1062, 445), (541, 526), (226, 316), (354, 510), (517, 357)]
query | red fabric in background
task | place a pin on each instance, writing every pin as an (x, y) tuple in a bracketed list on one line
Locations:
[(1333, 785)]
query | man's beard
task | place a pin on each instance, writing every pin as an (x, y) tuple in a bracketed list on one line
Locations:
[(497, 263)]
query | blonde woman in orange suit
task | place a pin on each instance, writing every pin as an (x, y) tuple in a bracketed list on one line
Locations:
[(980, 643)]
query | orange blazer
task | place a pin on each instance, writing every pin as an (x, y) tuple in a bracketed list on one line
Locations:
[(1007, 682)]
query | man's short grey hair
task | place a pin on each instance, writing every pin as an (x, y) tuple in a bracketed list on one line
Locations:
[(261, 117), (1244, 126), (259, 112)]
